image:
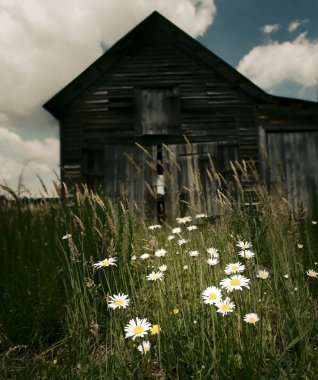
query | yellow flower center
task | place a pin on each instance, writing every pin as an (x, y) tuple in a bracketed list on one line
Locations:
[(146, 348), (252, 319), (175, 311), (212, 296), (235, 282), (225, 307), (138, 330), (119, 302), (106, 263), (235, 267)]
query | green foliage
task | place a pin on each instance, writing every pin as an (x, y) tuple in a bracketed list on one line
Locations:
[(54, 318)]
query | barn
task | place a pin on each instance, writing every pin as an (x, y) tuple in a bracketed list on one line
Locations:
[(148, 120)]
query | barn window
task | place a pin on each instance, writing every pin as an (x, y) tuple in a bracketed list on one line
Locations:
[(157, 110)]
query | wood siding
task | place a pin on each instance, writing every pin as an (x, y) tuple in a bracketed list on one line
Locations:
[(293, 166)]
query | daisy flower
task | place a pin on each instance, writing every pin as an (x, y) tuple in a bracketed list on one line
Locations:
[(170, 237), (144, 347), (160, 252), (144, 256), (185, 267), (313, 222), (184, 220), (155, 276), (118, 301), (213, 252), (154, 227), (192, 228), (137, 328), (194, 253), (234, 268), (212, 261), (133, 258), (300, 246), (199, 216), (244, 245), (212, 295), (155, 329), (176, 230), (106, 262), (263, 274), (182, 241), (312, 273), (225, 306), (163, 268), (235, 282), (251, 318), (247, 254)]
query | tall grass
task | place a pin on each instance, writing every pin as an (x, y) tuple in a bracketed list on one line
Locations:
[(54, 314)]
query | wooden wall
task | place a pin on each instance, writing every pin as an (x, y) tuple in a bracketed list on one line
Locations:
[(211, 110)]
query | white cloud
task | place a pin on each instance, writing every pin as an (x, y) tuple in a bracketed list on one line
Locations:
[(294, 25), (274, 63), (30, 157), (45, 44), (270, 28)]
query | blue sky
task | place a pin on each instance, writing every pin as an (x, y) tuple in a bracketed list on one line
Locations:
[(44, 44)]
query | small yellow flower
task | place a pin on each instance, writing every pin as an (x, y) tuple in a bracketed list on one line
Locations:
[(175, 311), (155, 329)]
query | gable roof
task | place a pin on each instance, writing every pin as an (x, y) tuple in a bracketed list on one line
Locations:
[(142, 35)]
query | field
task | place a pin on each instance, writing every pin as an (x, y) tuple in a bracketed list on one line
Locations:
[(74, 279)]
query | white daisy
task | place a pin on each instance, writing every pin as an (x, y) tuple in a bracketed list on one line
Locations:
[(312, 273), (184, 220), (244, 245), (192, 228), (247, 254), (133, 258), (300, 246), (163, 268), (137, 328), (118, 301), (170, 237), (176, 230), (212, 295), (263, 274), (106, 262), (182, 241), (213, 252), (199, 216), (185, 267), (160, 252), (144, 256), (225, 306), (144, 347), (212, 261), (194, 253), (313, 222), (234, 268), (251, 318), (235, 282), (154, 227), (155, 276)]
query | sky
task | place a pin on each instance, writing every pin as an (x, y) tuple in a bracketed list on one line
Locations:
[(44, 44)]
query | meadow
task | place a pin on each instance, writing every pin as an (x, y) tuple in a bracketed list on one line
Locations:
[(89, 291)]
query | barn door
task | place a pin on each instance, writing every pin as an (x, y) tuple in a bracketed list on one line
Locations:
[(130, 176), (293, 165), (190, 188)]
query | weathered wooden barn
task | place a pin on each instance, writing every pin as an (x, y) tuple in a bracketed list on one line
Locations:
[(125, 123)]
